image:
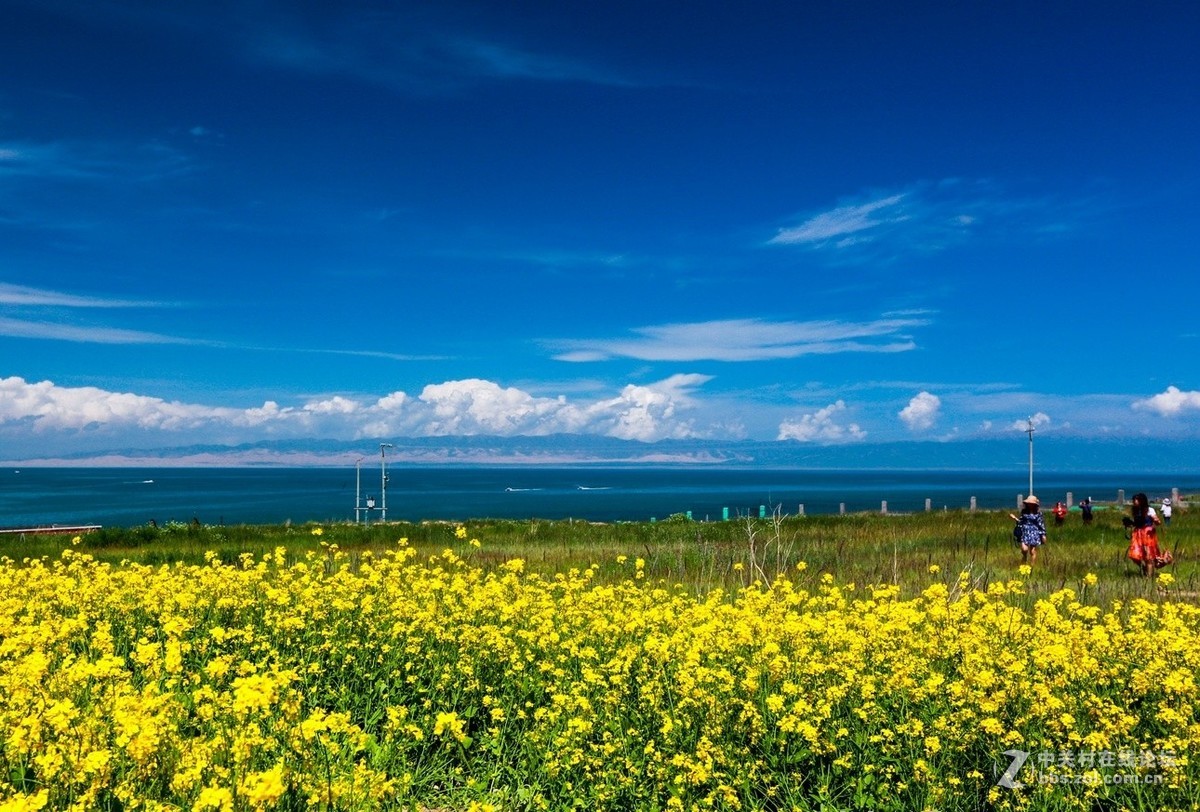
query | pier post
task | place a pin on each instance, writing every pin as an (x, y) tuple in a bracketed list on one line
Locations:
[(928, 505), (842, 508), (883, 507), (724, 514), (1121, 497), (974, 504), (801, 513), (1070, 499), (762, 511)]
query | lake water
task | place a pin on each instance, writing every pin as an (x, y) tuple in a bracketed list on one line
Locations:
[(132, 496)]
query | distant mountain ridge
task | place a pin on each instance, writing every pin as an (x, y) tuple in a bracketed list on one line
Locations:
[(566, 449)]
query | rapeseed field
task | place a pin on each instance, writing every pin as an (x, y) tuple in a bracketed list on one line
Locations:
[(395, 679)]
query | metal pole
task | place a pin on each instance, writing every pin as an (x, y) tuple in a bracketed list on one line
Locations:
[(1029, 430), (383, 481), (358, 490)]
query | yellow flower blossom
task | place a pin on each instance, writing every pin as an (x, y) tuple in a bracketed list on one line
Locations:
[(264, 788), (325, 682)]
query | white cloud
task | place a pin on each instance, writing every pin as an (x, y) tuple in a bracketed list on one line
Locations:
[(333, 405), (39, 297), (267, 413), (1172, 402), (44, 406), (492, 59), (396, 49), (647, 413), (392, 402), (1039, 420), (921, 412), (21, 296), (820, 426), (482, 407), (454, 408), (90, 161), (842, 221), (928, 217), (747, 340), (20, 328)]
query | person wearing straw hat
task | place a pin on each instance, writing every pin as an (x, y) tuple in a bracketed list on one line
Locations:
[(1030, 530)]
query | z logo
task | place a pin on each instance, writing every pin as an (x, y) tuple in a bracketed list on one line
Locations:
[(1008, 778)]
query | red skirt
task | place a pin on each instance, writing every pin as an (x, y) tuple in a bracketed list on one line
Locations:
[(1144, 545)]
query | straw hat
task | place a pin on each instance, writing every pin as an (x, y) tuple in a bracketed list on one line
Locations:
[(1032, 500)]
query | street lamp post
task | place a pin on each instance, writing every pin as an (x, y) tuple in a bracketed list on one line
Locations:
[(1029, 430), (383, 481), (358, 490)]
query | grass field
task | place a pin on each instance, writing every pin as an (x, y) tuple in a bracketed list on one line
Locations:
[(862, 548), (792, 663)]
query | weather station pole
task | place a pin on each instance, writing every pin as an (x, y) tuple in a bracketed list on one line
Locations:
[(1029, 430), (358, 490), (383, 481)]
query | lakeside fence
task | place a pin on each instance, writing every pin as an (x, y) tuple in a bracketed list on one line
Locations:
[(1120, 501)]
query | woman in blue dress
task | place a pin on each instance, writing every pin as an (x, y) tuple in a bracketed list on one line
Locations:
[(1030, 531)]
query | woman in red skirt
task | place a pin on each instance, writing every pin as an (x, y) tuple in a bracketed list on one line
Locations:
[(1143, 543)]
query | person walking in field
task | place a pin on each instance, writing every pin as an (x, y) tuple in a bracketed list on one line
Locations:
[(1030, 530), (1142, 522), (1085, 509), (1060, 513), (1166, 512)]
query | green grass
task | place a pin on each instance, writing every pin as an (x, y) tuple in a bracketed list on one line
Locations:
[(860, 548)]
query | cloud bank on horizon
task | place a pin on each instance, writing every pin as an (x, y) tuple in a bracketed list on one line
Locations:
[(43, 419), (807, 224)]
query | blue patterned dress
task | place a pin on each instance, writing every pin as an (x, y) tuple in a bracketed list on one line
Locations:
[(1030, 530)]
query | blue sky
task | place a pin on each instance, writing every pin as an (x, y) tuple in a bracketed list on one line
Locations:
[(816, 223)]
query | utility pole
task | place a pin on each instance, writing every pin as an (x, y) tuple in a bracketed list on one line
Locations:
[(1029, 430), (358, 490), (383, 481)]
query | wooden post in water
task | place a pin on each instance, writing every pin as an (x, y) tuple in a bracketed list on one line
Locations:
[(974, 504), (842, 508), (801, 513), (928, 505)]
